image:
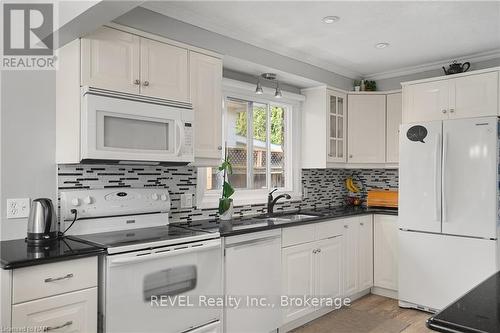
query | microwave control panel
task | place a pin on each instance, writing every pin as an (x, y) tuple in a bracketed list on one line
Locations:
[(188, 139)]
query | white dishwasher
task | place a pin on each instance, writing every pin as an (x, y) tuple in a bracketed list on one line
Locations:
[(253, 275)]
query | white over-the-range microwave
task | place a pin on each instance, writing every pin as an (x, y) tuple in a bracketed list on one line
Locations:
[(127, 128)]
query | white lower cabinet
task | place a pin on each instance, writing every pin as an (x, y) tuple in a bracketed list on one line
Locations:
[(312, 269), (358, 254), (70, 312), (385, 238)]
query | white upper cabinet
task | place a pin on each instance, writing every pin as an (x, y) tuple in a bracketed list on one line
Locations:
[(394, 115), (124, 62), (474, 96), (110, 60), (461, 96), (336, 126), (366, 128), (164, 71), (206, 86)]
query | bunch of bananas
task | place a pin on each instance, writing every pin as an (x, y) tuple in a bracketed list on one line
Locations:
[(351, 187)]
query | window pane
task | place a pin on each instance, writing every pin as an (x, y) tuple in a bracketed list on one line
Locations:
[(259, 154), (278, 115), (237, 134), (341, 106)]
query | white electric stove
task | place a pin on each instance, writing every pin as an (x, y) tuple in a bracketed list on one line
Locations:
[(148, 259)]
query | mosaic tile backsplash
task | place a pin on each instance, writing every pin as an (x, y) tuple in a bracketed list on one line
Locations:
[(321, 187)]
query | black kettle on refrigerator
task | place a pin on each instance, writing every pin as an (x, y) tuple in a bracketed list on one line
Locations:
[(42, 227)]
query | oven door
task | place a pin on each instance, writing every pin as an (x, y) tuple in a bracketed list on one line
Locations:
[(136, 281), (114, 128)]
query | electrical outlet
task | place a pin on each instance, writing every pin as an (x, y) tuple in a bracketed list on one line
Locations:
[(186, 200), (18, 208)]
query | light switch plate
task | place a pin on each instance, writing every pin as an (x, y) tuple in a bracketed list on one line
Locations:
[(186, 200), (18, 208)]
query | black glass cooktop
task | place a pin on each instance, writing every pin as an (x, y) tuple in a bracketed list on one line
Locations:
[(477, 311), (140, 235)]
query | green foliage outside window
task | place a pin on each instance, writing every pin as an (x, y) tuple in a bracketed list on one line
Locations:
[(259, 124)]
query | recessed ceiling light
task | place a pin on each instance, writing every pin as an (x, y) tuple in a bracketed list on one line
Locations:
[(330, 19), (381, 45)]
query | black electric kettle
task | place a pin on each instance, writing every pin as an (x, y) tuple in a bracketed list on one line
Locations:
[(42, 226)]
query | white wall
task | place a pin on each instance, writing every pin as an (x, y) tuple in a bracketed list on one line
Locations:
[(394, 82), (27, 140)]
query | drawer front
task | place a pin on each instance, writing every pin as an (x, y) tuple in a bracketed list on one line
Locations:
[(298, 235), (71, 312), (52, 279), (329, 229)]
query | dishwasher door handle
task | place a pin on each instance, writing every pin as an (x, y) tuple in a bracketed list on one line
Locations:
[(252, 242)]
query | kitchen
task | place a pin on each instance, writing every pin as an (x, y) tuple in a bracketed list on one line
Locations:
[(139, 176)]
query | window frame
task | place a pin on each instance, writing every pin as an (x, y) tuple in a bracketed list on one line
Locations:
[(206, 199)]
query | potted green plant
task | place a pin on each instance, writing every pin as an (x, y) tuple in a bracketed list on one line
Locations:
[(226, 208), (357, 85), (370, 86)]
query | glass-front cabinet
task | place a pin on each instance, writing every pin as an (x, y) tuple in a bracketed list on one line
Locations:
[(336, 126)]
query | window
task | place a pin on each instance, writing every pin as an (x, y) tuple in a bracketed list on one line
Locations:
[(261, 134), (255, 144)]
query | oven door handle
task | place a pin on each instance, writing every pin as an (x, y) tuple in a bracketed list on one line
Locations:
[(163, 253)]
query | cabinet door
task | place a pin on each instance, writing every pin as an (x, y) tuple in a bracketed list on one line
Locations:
[(426, 101), (350, 256), (474, 96), (71, 312), (164, 71), (298, 277), (365, 253), (329, 267), (385, 247), (336, 127), (206, 86), (366, 129), (394, 115), (110, 60)]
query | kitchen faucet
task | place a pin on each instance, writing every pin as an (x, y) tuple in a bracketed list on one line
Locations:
[(272, 201)]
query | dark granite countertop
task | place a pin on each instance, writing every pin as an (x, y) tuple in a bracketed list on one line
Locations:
[(17, 253), (256, 223), (477, 311)]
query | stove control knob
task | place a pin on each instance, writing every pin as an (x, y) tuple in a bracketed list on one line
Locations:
[(164, 197), (154, 196), (87, 200), (75, 202)]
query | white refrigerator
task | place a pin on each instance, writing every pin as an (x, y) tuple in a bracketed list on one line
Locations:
[(448, 209)]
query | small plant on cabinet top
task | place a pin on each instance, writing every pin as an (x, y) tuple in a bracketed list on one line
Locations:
[(225, 202)]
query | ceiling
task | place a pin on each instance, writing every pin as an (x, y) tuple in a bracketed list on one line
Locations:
[(419, 32)]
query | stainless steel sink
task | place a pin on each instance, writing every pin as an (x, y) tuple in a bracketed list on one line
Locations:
[(289, 218)]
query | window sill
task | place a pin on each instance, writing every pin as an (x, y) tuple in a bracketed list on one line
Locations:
[(209, 200)]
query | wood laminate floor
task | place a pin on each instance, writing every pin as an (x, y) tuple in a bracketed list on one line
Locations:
[(373, 305)]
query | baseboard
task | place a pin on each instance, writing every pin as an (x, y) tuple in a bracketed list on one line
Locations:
[(385, 292)]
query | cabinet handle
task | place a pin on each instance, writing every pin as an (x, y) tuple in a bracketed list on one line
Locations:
[(319, 250), (346, 226), (330, 155), (361, 223), (219, 148), (137, 82), (51, 328), (350, 156), (452, 110), (443, 111), (146, 83), (67, 276)]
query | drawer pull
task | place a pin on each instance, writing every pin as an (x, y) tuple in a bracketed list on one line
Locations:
[(52, 328), (68, 276)]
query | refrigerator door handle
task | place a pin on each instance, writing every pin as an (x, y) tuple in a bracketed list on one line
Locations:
[(437, 157), (443, 175)]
